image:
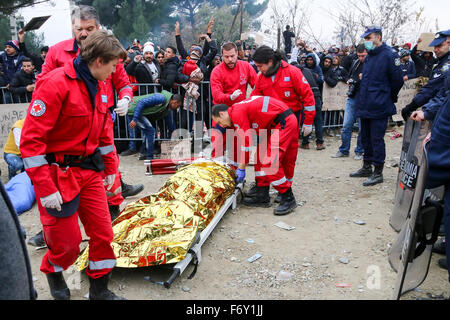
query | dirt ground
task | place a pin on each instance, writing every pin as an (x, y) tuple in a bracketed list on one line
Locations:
[(324, 251)]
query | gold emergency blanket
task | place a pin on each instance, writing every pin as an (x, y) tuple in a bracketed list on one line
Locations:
[(160, 229)]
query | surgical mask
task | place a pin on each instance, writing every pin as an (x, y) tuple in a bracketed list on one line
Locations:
[(369, 45)]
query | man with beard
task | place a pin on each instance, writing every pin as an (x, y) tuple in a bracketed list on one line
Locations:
[(84, 23), (229, 83), (145, 69)]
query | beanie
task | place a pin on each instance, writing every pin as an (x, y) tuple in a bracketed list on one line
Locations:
[(148, 48), (13, 43)]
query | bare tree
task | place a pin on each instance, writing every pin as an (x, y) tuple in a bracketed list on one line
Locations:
[(391, 15)]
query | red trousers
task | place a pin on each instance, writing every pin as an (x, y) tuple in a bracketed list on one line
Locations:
[(63, 235), (276, 166)]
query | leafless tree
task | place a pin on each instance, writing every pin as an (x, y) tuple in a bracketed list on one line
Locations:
[(391, 15)]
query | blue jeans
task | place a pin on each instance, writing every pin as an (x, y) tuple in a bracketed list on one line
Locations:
[(346, 133), (15, 163), (148, 139), (132, 135)]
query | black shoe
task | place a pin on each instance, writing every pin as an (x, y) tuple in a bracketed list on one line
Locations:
[(129, 190), (364, 172), (278, 198), (287, 204), (439, 247), (37, 240), (99, 289), (114, 211), (58, 286), (443, 263), (261, 198), (128, 152), (375, 178)]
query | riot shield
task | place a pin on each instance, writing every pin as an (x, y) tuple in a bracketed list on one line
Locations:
[(411, 254), (404, 195), (412, 147)]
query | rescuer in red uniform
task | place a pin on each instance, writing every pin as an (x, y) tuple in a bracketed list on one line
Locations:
[(273, 119), (282, 81), (84, 22), (229, 83), (66, 145)]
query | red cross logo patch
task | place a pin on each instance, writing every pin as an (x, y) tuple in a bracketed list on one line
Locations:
[(38, 108)]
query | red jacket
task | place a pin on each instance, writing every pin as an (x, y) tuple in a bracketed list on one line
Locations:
[(63, 52), (257, 113), (291, 87), (225, 81), (61, 120)]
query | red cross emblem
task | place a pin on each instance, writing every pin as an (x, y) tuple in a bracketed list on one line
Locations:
[(38, 108)]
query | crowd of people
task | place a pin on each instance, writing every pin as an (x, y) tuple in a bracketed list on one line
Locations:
[(156, 90)]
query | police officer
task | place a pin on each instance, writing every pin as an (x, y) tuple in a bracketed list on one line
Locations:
[(439, 158), (381, 82), (436, 82)]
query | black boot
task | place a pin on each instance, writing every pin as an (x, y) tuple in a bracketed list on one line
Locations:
[(287, 204), (37, 240), (364, 172), (58, 286), (252, 191), (261, 198), (375, 178), (99, 289), (114, 211), (129, 190)]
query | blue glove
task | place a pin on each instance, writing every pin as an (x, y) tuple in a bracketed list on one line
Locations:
[(240, 173)]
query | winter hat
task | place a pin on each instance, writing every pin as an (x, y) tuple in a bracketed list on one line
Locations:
[(408, 45), (405, 53), (13, 43), (195, 55), (148, 48), (198, 49)]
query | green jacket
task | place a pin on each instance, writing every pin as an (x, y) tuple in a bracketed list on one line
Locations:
[(148, 107)]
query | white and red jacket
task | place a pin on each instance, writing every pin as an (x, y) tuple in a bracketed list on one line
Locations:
[(225, 81), (61, 120), (290, 86), (65, 51)]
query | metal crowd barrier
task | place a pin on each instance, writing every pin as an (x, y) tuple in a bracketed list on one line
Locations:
[(7, 97), (183, 122)]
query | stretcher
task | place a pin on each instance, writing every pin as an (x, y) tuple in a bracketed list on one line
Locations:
[(195, 252), (170, 166)]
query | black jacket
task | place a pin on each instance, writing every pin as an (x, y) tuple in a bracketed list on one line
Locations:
[(143, 75), (19, 84), (170, 75)]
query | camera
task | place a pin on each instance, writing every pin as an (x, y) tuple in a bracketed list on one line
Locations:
[(352, 89)]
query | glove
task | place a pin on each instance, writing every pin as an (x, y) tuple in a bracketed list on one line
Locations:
[(109, 181), (235, 94), (306, 130), (122, 106), (408, 110), (240, 173), (53, 201)]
